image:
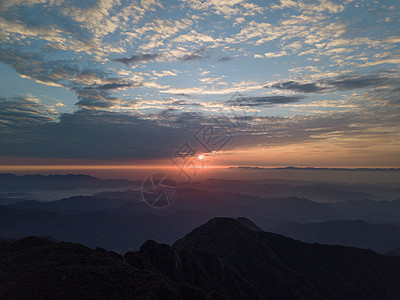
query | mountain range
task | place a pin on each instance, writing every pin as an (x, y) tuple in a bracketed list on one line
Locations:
[(11, 183), (121, 220), (221, 259), (317, 191)]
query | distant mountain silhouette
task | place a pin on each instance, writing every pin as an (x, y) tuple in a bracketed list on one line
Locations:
[(370, 208), (325, 169), (216, 203), (107, 230), (235, 204), (395, 252), (265, 211), (313, 190), (72, 205), (110, 219), (10, 182), (379, 237), (222, 259)]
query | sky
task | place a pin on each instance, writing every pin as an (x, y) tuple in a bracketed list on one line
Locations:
[(130, 83)]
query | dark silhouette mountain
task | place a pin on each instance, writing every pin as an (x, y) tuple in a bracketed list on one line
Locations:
[(379, 237), (200, 269), (10, 182), (248, 223), (35, 268), (282, 268), (222, 259)]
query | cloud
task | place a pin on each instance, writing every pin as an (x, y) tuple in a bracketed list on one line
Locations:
[(165, 73), (113, 86), (263, 100), (277, 54), (197, 55), (349, 82), (18, 112), (88, 134), (94, 17), (343, 82), (235, 87), (93, 87), (190, 57), (91, 134), (137, 58), (94, 98), (319, 6), (64, 73), (85, 46), (395, 61), (226, 8), (224, 59), (33, 65), (154, 34), (298, 87), (64, 26)]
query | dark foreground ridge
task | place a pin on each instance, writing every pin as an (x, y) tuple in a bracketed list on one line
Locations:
[(222, 259)]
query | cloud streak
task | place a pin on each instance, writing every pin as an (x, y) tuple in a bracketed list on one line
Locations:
[(342, 83), (137, 58), (263, 100)]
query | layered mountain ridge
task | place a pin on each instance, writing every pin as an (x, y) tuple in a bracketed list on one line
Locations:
[(221, 259)]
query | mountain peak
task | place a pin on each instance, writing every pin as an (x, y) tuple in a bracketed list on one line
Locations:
[(222, 221), (248, 223), (216, 235)]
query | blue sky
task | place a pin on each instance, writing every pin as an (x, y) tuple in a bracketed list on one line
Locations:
[(98, 79)]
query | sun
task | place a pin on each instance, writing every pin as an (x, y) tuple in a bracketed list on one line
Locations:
[(201, 156)]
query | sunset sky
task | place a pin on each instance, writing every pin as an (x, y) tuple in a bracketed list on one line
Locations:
[(109, 82)]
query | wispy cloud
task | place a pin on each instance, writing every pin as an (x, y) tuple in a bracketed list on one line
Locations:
[(299, 87), (197, 55), (137, 58), (345, 82), (224, 59), (264, 100), (17, 112)]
